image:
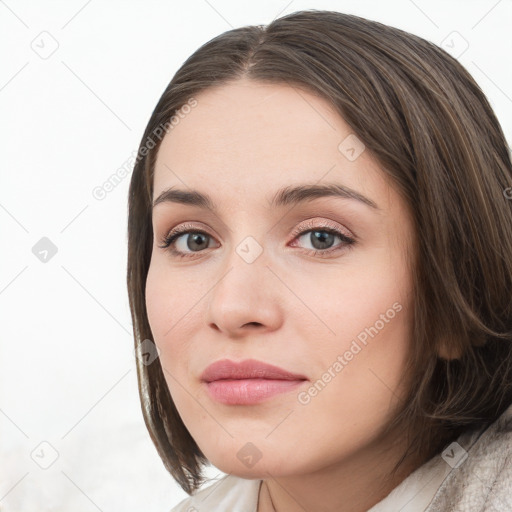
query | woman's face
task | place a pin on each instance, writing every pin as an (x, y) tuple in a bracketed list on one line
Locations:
[(271, 276)]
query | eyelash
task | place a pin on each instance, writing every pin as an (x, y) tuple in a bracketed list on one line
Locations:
[(347, 242)]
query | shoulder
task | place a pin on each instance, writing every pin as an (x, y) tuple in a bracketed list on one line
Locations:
[(228, 494), (481, 478)]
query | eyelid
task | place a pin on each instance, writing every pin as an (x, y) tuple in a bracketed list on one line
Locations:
[(184, 228), (318, 222), (312, 224)]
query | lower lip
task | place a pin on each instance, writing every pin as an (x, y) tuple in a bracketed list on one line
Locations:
[(248, 391)]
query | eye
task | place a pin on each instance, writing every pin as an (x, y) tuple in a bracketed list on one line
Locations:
[(194, 240), (321, 237)]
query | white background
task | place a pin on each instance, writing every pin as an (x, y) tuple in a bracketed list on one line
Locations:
[(68, 122)]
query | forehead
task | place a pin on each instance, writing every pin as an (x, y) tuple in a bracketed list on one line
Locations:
[(245, 137)]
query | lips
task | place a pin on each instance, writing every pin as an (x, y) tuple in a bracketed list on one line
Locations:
[(248, 369), (248, 382)]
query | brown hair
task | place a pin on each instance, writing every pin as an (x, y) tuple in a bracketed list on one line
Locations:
[(432, 130)]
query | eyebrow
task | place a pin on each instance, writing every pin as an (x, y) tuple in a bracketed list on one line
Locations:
[(290, 195)]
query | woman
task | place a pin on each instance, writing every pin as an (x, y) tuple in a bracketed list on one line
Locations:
[(319, 274)]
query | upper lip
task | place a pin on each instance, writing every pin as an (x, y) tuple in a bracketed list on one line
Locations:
[(247, 369)]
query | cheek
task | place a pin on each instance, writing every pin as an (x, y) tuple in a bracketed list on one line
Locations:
[(171, 315), (166, 297), (156, 306), (163, 316), (351, 300), (160, 307), (368, 315)]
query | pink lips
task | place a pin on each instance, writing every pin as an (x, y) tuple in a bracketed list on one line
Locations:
[(247, 382)]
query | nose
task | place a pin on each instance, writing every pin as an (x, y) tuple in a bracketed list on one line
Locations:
[(247, 296)]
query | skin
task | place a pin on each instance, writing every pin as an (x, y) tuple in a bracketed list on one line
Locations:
[(291, 308)]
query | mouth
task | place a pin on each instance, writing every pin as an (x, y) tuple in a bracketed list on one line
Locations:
[(248, 382)]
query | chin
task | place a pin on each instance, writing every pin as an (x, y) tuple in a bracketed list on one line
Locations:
[(247, 460), (259, 471)]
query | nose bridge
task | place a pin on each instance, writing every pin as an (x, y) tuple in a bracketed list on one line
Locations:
[(246, 263), (245, 292), (248, 237)]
